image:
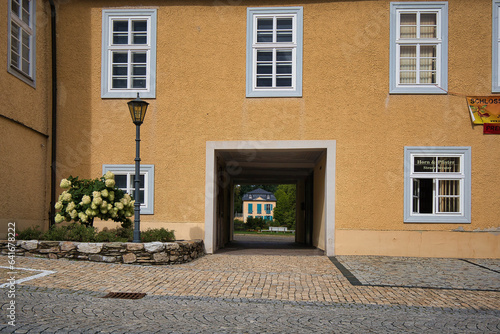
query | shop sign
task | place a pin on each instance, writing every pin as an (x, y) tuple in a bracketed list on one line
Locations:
[(484, 109), (491, 128)]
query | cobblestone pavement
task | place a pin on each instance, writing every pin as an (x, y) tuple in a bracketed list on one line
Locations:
[(259, 294), (473, 274)]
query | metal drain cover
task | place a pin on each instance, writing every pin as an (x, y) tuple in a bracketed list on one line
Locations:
[(125, 295)]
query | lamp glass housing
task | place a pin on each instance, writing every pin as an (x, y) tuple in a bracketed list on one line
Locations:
[(138, 109)]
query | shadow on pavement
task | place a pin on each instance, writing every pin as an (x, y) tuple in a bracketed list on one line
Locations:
[(267, 245)]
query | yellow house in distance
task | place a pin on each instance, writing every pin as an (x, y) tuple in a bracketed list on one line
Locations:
[(363, 105), (259, 204)]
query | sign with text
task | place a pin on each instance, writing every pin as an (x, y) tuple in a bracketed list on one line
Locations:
[(491, 128), (484, 109)]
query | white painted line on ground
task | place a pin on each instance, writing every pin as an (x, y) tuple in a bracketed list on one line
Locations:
[(29, 278)]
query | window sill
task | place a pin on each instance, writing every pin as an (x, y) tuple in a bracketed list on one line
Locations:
[(435, 219), (128, 95), (435, 90), (268, 93)]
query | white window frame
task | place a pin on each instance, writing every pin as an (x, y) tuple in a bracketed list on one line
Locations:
[(495, 87), (30, 29), (108, 16), (464, 175), (147, 208), (441, 43), (296, 13)]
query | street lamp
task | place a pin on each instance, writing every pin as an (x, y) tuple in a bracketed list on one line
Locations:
[(137, 109)]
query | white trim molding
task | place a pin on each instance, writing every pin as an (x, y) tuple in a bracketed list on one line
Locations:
[(429, 169), (422, 51), (149, 181), (21, 34), (211, 179), (274, 52), (136, 44)]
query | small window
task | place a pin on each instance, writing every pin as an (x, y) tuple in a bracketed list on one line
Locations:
[(21, 41), (259, 208), (419, 48), (129, 53), (274, 52), (250, 208), (437, 185), (124, 177)]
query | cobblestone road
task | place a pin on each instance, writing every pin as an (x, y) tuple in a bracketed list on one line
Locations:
[(258, 294), (58, 311)]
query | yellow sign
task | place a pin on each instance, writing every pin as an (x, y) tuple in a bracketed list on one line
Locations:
[(484, 109)]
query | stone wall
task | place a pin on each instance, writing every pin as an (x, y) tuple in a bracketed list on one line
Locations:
[(150, 253)]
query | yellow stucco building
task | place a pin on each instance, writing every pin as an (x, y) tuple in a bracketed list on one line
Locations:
[(259, 203), (361, 104)]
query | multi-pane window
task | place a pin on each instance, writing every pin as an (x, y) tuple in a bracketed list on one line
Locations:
[(124, 177), (259, 209), (129, 53), (268, 208), (418, 48), (274, 64), (274, 52), (439, 183), (417, 61), (125, 181), (21, 54), (250, 207)]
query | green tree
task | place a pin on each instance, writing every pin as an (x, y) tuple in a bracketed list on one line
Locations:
[(284, 212)]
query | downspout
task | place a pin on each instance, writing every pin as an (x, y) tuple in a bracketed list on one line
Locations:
[(52, 213)]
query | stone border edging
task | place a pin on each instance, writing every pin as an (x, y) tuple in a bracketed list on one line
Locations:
[(149, 253)]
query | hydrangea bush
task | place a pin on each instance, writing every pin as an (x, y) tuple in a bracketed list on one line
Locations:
[(84, 200)]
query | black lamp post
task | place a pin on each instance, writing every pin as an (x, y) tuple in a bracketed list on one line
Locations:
[(137, 109)]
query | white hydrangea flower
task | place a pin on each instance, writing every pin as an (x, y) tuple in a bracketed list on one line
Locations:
[(66, 196), (71, 206), (65, 184), (109, 175), (58, 218), (86, 199), (97, 201), (124, 201), (104, 193), (110, 183), (58, 205)]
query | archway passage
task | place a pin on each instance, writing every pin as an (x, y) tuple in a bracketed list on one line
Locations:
[(308, 164)]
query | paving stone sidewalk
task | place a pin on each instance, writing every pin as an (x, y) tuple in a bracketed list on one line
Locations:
[(260, 294), (291, 278)]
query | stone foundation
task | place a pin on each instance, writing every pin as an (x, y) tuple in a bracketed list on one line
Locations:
[(149, 253)]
